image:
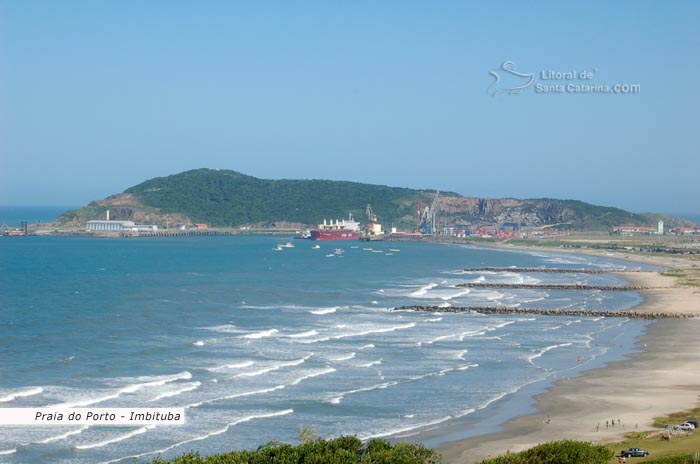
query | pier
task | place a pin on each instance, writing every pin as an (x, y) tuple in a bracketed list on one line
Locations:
[(548, 312)]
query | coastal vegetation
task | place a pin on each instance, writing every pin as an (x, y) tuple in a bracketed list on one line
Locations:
[(225, 198), (341, 450), (685, 277), (557, 452)]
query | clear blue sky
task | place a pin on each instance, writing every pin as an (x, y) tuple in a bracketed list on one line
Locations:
[(96, 96)]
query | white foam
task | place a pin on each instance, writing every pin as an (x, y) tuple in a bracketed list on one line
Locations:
[(225, 328), (29, 391), (538, 354), (365, 332), (62, 436), (319, 373), (435, 319), (308, 333), (225, 367), (343, 358), (160, 381), (260, 334), (423, 290), (126, 436), (340, 396), (367, 346), (460, 354), (275, 367), (324, 311), (198, 343), (184, 389), (236, 395), (406, 429), (8, 451), (370, 364)]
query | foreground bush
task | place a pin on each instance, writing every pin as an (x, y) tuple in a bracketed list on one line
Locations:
[(341, 450), (558, 452)]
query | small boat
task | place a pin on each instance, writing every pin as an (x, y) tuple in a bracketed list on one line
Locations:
[(394, 249), (316, 247), (330, 255), (288, 245), (354, 246), (278, 248), (338, 251), (367, 249)]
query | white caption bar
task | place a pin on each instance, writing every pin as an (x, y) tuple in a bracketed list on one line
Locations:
[(92, 416)]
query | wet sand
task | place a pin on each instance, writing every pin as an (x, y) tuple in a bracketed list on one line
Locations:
[(661, 378)]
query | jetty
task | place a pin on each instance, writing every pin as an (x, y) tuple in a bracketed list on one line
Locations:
[(547, 312), (553, 270), (613, 288)]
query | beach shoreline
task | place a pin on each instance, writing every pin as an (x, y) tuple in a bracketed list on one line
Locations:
[(658, 377)]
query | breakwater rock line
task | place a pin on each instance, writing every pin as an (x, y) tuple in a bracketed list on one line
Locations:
[(548, 312), (619, 288), (551, 270)]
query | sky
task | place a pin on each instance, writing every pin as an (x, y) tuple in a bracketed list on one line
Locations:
[(98, 96)]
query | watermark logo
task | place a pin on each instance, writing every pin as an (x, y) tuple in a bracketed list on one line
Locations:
[(508, 81)]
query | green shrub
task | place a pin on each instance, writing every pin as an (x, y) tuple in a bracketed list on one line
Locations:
[(558, 452), (341, 450)]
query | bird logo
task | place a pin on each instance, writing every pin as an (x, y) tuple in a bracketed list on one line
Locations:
[(508, 81)]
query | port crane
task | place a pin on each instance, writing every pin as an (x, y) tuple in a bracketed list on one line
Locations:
[(426, 217), (370, 213)]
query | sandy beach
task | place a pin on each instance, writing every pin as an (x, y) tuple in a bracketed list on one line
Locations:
[(660, 378)]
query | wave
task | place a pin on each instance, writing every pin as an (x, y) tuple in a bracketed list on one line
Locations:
[(367, 346), (459, 293), (225, 328), (184, 389), (343, 358), (126, 436), (460, 354), (161, 380), (62, 436), (340, 396), (273, 368), (328, 370), (210, 434), (423, 290), (28, 391), (225, 367), (406, 429), (8, 451), (370, 364), (538, 354), (434, 319), (235, 395), (324, 310), (366, 332), (260, 334), (308, 333), (198, 343)]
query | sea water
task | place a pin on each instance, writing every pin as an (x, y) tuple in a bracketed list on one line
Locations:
[(255, 343)]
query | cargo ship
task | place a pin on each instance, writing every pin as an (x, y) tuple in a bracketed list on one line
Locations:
[(347, 229)]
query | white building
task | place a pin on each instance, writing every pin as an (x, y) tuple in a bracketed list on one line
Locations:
[(110, 226)]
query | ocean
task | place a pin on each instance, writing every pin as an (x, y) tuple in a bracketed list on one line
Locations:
[(255, 343)]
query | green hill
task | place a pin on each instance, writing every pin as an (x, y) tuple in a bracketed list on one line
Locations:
[(228, 199)]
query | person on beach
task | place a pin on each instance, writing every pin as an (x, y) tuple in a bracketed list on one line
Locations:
[(606, 424)]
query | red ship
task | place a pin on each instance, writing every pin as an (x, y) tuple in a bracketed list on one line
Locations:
[(347, 229)]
